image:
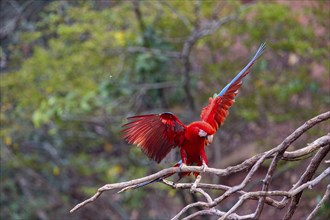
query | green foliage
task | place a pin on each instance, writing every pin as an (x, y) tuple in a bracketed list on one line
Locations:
[(63, 102), (279, 27)]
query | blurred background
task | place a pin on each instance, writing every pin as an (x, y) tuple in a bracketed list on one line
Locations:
[(72, 71)]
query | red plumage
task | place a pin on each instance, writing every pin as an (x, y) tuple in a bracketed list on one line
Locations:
[(157, 134), (217, 110)]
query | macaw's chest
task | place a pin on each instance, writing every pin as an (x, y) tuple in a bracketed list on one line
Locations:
[(193, 149)]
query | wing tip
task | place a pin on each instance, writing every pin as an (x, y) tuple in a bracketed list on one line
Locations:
[(259, 52), (149, 133), (141, 116)]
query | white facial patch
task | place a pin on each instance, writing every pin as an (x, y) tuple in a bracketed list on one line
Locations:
[(210, 139), (202, 133)]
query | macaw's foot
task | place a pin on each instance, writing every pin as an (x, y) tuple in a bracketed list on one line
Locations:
[(194, 186), (182, 165), (204, 166)]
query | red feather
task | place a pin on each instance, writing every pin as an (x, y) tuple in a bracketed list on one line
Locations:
[(155, 134), (217, 110)]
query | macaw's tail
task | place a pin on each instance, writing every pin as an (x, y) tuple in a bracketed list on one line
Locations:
[(181, 174), (147, 183)]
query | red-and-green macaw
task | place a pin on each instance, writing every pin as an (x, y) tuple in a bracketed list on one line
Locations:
[(158, 134)]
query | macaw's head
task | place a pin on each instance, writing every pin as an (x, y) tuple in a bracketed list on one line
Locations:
[(200, 130)]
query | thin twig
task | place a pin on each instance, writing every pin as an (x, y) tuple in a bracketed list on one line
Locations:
[(181, 17), (319, 205)]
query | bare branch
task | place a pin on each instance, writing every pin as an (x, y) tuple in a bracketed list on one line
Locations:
[(200, 31), (311, 169), (138, 14), (266, 182), (197, 34), (289, 194), (319, 205), (252, 164), (320, 142), (268, 201)]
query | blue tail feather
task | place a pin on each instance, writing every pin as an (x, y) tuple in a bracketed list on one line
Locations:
[(146, 183), (158, 179)]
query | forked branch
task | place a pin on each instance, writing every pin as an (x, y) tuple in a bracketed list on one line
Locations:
[(321, 146)]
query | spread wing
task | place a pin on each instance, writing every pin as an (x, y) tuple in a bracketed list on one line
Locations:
[(155, 134), (217, 110)]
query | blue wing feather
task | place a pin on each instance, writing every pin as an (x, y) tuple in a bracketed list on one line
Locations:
[(258, 53)]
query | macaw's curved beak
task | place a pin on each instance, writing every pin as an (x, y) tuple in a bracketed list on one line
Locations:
[(209, 139)]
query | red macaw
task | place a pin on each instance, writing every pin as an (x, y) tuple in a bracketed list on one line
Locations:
[(158, 134)]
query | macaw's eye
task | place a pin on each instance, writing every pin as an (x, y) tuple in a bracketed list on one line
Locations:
[(202, 133)]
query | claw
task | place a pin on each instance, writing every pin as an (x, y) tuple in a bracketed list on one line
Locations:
[(182, 165), (204, 166)]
